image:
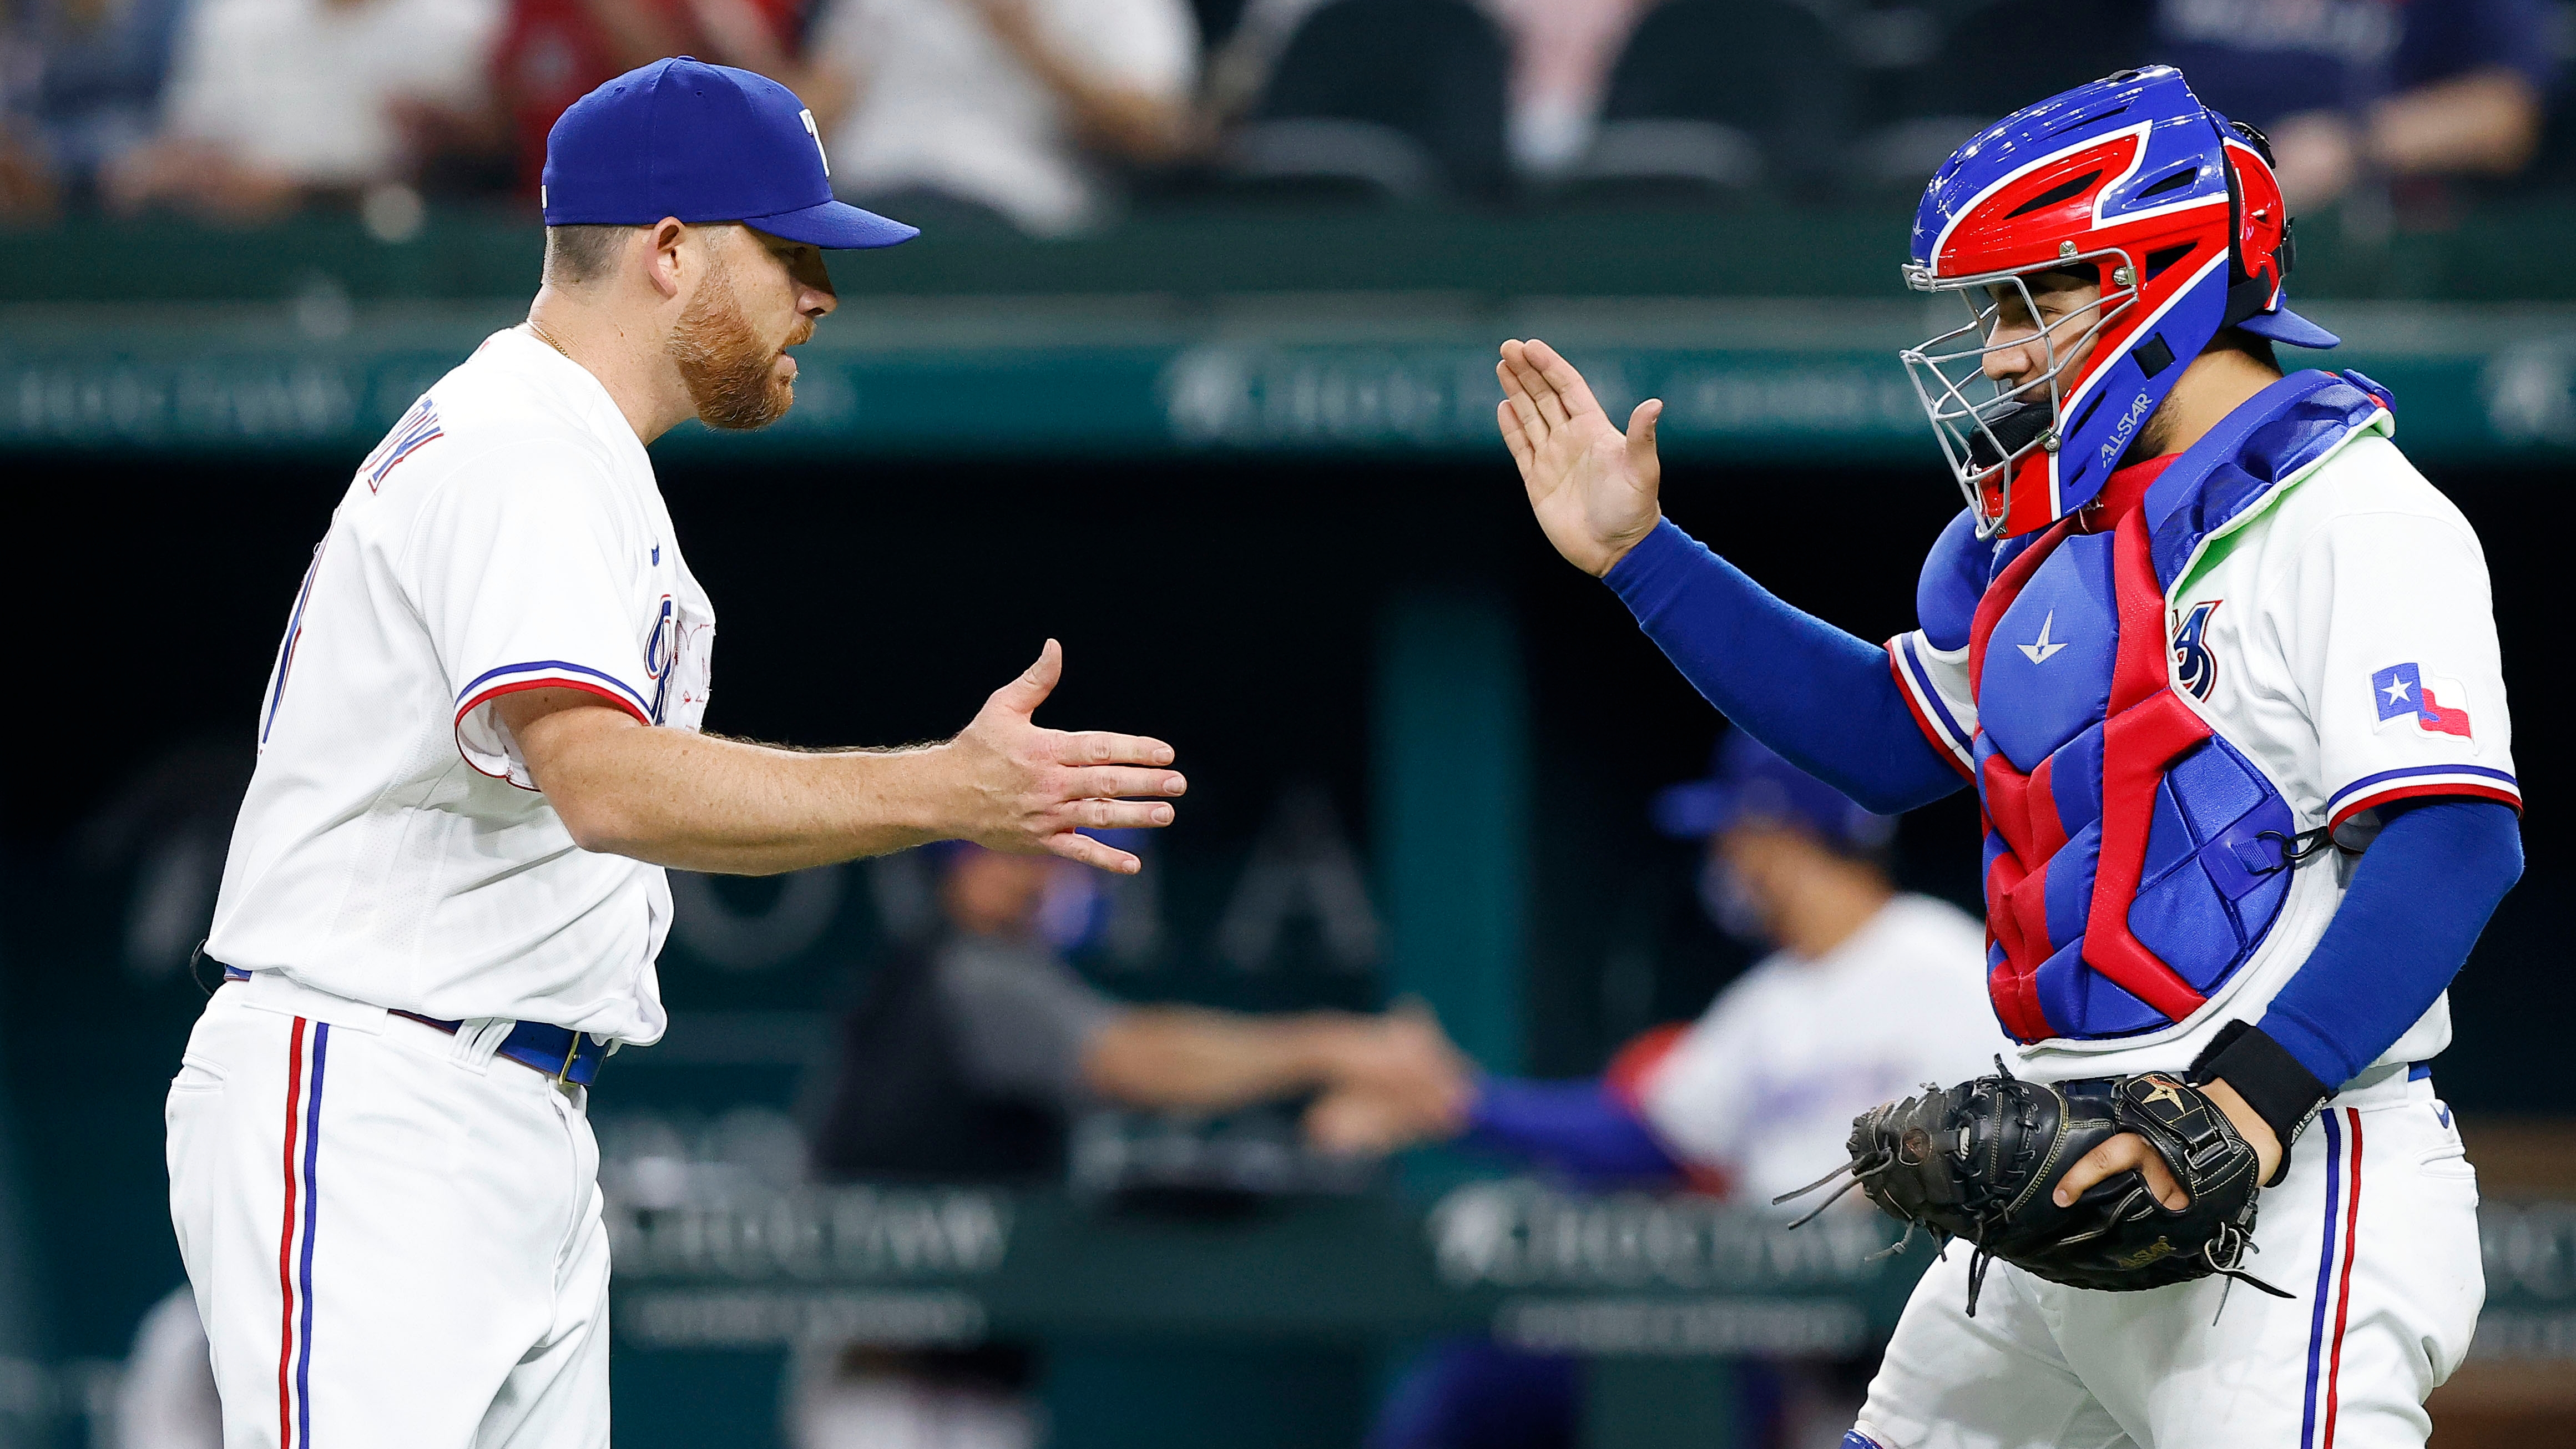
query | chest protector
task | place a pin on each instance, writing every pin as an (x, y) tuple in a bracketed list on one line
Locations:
[(2134, 858)]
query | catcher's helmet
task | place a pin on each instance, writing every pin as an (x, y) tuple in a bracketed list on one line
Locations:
[(2176, 209)]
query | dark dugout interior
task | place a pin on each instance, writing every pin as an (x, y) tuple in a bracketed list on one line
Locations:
[(1227, 603)]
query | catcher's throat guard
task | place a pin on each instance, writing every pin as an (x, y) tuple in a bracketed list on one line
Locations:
[(1982, 1160), (2174, 212)]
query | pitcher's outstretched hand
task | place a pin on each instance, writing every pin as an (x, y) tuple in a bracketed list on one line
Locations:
[(1028, 789), (1593, 488)]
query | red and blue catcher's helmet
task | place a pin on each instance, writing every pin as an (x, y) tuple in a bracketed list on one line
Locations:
[(2176, 210)]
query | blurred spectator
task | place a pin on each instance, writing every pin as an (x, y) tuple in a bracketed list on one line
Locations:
[(1380, 101), (1869, 994), (2351, 90), (1562, 51), (1005, 105), (1561, 55), (965, 1062), (553, 52), (83, 87), (271, 100)]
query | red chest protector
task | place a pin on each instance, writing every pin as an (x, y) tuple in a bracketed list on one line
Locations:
[(2135, 859)]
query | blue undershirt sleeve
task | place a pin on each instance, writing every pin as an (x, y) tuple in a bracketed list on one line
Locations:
[(1824, 699), (1575, 1127), (2419, 898)]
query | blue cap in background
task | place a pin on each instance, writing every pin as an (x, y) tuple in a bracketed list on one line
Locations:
[(703, 143), (1746, 781)]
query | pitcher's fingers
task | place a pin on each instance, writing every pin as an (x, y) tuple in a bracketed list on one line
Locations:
[(1024, 694), (1116, 814), (1514, 438), (1087, 851), (1562, 378), (1522, 359), (1107, 782), (1105, 747)]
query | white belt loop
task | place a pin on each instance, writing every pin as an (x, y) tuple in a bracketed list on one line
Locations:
[(478, 1038), (2380, 1086)]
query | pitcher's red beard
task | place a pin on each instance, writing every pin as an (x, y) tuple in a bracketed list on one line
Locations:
[(731, 375)]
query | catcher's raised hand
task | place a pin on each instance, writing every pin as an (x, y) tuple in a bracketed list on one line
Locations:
[(1593, 488)]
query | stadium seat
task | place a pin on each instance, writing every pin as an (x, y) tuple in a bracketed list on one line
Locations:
[(1718, 98), (1935, 74), (1381, 101)]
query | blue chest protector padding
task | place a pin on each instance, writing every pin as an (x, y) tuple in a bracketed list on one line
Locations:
[(2135, 859)]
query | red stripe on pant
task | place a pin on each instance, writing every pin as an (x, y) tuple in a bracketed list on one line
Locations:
[(286, 1240), (2343, 1293)]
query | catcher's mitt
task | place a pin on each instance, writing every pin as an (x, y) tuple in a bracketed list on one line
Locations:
[(1980, 1161)]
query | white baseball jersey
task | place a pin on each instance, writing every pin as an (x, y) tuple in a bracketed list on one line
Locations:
[(2344, 640), (1765, 1085), (506, 535)]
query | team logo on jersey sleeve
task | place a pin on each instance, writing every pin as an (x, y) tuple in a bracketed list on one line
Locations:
[(418, 429), (658, 646), (2195, 668), (2438, 706)]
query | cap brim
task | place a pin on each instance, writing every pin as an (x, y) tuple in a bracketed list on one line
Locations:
[(1692, 811), (835, 226), (2286, 326)]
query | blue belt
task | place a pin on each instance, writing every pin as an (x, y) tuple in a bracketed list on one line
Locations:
[(559, 1052)]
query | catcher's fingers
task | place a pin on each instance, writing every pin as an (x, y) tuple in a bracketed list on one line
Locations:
[(1087, 851), (1553, 408), (2123, 1153), (1562, 379), (1101, 747), (1641, 437), (1517, 381), (1513, 437), (1108, 782)]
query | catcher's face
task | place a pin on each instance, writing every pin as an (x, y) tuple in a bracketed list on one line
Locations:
[(2063, 306)]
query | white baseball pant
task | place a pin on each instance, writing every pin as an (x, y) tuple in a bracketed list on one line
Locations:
[(2375, 1235), (395, 1238)]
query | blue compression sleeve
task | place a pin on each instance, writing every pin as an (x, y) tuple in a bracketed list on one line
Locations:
[(2419, 898), (1824, 699), (1575, 1127)]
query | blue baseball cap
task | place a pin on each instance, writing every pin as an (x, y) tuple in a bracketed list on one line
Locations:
[(703, 143), (1747, 781)]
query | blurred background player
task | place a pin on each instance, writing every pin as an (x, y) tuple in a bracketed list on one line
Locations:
[(967, 1059), (1868, 993)]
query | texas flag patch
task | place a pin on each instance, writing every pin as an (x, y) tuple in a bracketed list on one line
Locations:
[(2438, 706)]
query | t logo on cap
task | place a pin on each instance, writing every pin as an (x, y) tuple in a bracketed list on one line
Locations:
[(702, 143)]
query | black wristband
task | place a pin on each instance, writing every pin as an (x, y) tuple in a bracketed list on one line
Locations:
[(2281, 1092)]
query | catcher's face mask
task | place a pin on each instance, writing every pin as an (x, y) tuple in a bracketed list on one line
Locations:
[(1995, 387)]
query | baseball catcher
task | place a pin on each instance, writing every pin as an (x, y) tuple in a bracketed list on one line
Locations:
[(2222, 670)]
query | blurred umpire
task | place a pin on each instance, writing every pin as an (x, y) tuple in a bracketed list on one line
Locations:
[(965, 1061)]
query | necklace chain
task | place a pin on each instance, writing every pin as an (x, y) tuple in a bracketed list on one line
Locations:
[(548, 338)]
